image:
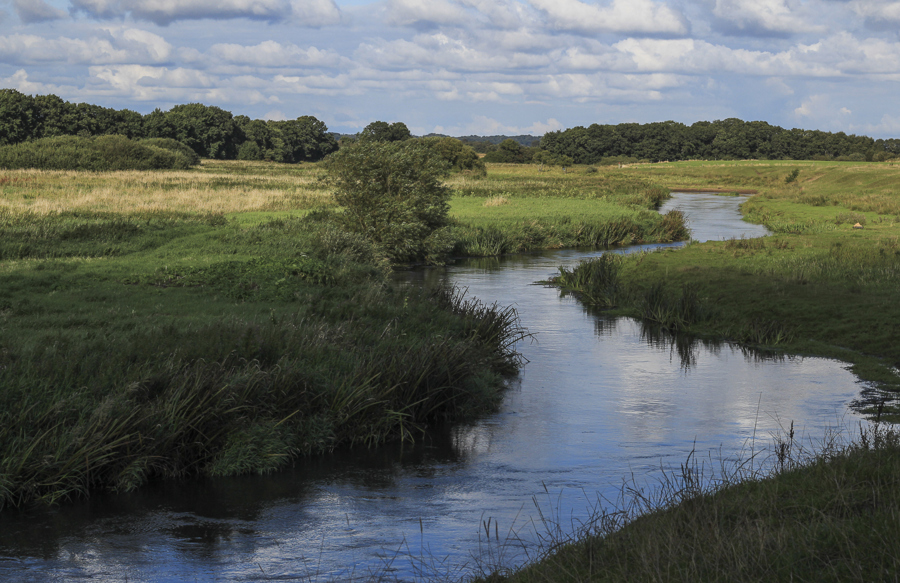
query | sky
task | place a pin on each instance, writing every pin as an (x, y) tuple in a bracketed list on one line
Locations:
[(463, 67)]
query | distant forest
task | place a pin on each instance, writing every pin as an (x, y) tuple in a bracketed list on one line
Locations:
[(212, 132), (729, 139)]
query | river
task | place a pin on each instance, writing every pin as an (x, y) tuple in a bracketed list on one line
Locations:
[(599, 402)]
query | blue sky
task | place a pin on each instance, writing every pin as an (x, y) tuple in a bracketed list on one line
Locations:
[(470, 66)]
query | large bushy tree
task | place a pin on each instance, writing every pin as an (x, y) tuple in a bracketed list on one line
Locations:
[(392, 193), (381, 131)]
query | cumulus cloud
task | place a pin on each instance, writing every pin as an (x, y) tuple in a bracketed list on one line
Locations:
[(126, 45), (701, 57), (879, 14), (164, 12), (31, 11), (761, 17), (271, 54), (443, 51), (622, 16), (315, 12), (412, 12), (21, 82)]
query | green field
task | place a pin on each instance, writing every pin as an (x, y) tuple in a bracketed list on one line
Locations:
[(219, 320)]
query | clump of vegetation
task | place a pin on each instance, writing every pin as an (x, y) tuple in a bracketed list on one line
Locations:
[(496, 201), (103, 153), (596, 280), (174, 146), (391, 192), (459, 157)]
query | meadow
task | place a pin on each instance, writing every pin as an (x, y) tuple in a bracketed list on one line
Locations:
[(218, 320)]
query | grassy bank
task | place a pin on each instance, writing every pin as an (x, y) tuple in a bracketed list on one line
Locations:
[(817, 286), (519, 208), (218, 320), (212, 322), (829, 511)]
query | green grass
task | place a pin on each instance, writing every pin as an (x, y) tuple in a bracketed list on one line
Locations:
[(825, 514), (817, 286), (218, 320), (153, 335), (518, 208)]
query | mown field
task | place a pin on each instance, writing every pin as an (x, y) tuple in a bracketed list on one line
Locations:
[(219, 320)]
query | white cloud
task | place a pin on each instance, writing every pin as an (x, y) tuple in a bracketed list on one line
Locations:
[(21, 82), (761, 16), (274, 115), (271, 54), (701, 57), (888, 126), (143, 82), (442, 51), (316, 12), (483, 125), (637, 16), (164, 12), (31, 11), (878, 12), (505, 14), (124, 45), (410, 12)]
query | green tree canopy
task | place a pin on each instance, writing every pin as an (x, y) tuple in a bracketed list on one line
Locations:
[(381, 131), (459, 156), (391, 192)]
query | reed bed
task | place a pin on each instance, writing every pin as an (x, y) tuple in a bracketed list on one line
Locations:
[(84, 409)]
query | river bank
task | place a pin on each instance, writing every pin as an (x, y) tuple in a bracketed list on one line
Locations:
[(217, 321), (825, 283)]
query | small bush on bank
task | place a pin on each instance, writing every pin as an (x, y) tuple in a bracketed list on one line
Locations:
[(97, 154), (173, 146)]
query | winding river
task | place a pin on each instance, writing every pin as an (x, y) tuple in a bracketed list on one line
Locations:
[(600, 401)]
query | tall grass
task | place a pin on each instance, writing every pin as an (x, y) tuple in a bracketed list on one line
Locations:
[(816, 511), (84, 412)]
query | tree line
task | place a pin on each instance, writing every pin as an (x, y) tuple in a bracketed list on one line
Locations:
[(211, 132), (729, 139)]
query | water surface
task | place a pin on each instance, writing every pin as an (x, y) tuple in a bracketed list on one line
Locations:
[(599, 401)]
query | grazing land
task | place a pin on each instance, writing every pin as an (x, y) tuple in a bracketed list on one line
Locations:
[(218, 320)]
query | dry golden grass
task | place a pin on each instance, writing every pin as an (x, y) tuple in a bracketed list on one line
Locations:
[(496, 201), (214, 187)]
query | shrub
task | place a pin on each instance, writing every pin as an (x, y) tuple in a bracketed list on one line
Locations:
[(459, 156), (173, 146), (99, 154), (392, 194)]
